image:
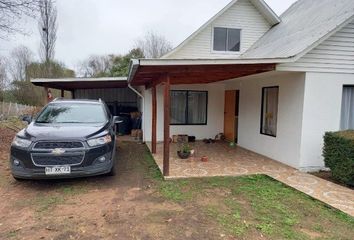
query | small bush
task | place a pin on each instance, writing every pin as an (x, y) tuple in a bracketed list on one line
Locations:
[(338, 153)]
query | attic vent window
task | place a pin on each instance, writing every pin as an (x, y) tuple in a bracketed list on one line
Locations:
[(227, 39)]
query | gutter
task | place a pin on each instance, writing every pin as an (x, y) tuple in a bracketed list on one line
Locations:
[(134, 64), (143, 108)]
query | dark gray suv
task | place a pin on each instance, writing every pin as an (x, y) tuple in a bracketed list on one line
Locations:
[(68, 138)]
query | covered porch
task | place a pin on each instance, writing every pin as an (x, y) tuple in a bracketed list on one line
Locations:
[(161, 76)]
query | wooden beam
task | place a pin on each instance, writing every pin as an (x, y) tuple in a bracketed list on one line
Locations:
[(166, 127), (159, 79), (62, 93), (154, 120)]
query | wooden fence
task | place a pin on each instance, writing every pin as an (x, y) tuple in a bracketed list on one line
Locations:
[(9, 109)]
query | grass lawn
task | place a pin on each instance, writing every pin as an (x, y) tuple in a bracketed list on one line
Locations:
[(253, 207)]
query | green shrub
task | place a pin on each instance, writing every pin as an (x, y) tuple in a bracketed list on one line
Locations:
[(338, 153)]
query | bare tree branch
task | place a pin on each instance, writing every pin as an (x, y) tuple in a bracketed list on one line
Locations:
[(20, 58), (11, 11), (48, 29), (153, 45)]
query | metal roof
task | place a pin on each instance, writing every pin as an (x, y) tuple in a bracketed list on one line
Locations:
[(303, 26), (81, 83)]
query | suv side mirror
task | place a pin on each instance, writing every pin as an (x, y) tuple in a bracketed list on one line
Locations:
[(117, 119), (27, 118)]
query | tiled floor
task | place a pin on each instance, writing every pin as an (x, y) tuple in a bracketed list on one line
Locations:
[(224, 160)]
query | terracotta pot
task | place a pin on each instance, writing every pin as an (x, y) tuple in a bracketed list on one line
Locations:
[(204, 159)]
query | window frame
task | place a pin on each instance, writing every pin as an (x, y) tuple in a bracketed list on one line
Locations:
[(227, 34), (341, 105), (186, 114), (262, 111)]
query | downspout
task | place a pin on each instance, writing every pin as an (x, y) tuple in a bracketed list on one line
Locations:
[(143, 108), (132, 69)]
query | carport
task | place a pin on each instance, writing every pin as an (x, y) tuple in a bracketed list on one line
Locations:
[(119, 97)]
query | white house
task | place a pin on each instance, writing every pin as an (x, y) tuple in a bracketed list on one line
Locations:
[(273, 84)]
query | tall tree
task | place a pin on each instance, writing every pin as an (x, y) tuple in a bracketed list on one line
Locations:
[(3, 79), (153, 45), (20, 58), (11, 11), (48, 29)]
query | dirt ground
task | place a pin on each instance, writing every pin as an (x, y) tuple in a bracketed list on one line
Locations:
[(120, 207), (138, 204)]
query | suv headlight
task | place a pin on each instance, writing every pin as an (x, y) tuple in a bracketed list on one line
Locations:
[(99, 141), (21, 142)]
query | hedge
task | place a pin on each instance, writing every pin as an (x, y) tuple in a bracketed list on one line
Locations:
[(338, 153)]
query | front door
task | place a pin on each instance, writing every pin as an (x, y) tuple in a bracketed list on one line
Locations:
[(231, 115)]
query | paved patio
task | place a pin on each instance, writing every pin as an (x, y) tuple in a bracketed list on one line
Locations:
[(224, 160)]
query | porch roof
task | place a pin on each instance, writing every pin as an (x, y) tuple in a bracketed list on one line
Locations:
[(70, 84), (150, 72)]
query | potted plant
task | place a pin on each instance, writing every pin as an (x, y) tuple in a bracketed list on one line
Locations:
[(185, 151)]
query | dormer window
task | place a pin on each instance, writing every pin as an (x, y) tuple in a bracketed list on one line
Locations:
[(227, 39)]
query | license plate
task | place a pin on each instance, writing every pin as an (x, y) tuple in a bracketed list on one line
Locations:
[(57, 170)]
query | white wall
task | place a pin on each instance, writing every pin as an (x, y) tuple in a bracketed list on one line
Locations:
[(309, 105), (322, 111), (285, 147), (215, 122), (242, 15)]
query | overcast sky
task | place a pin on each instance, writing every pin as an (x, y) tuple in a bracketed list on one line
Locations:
[(89, 27)]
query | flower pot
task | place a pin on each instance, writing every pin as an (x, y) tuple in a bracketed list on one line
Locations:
[(183, 155)]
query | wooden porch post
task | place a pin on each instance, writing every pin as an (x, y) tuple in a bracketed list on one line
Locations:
[(166, 128), (62, 93), (154, 120)]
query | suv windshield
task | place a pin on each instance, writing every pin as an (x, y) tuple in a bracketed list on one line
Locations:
[(72, 113)]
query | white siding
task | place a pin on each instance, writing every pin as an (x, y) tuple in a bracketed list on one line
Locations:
[(242, 15), (336, 54)]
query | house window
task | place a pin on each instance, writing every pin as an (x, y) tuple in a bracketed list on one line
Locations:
[(189, 107), (227, 39), (347, 116), (269, 115)]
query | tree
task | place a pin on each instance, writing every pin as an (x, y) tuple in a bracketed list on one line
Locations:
[(3, 80), (110, 65), (20, 59), (120, 64), (153, 45), (11, 11), (95, 66), (47, 29), (27, 93)]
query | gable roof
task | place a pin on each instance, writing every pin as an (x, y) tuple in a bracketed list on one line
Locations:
[(304, 25), (260, 5)]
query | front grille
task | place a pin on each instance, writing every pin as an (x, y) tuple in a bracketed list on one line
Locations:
[(50, 160), (53, 145)]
